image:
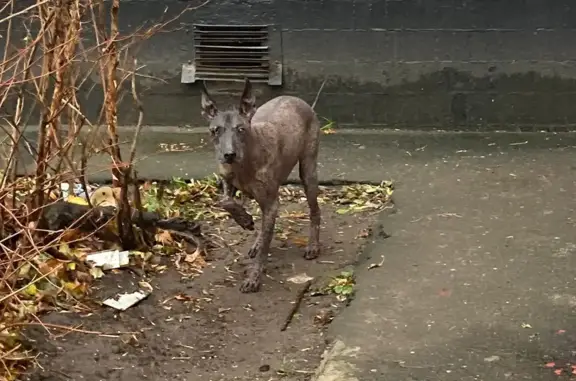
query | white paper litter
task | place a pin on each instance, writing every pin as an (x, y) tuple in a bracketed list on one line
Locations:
[(125, 301), (77, 191), (109, 259), (64, 188)]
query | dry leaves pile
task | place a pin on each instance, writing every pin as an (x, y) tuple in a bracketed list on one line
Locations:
[(45, 282), (349, 198), (193, 199), (58, 276), (197, 200)]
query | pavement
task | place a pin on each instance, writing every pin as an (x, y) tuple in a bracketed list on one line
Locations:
[(477, 281)]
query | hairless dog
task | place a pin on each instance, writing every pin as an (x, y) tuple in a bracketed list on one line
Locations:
[(256, 149)]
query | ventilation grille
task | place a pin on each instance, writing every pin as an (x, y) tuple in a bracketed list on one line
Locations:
[(232, 52)]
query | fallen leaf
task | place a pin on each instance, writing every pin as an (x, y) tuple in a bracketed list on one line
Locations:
[(75, 288), (550, 364), (191, 258), (69, 235), (51, 266), (83, 277), (298, 215), (526, 325), (300, 278), (560, 331), (558, 372), (145, 285), (300, 241), (31, 290), (361, 208), (160, 268), (65, 249), (96, 272), (76, 200), (200, 262), (144, 255), (164, 237), (71, 286), (183, 297), (24, 270)]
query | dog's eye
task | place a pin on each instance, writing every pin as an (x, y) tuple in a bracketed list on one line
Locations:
[(240, 128), (215, 130)]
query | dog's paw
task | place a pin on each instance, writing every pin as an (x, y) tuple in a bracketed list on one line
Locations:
[(248, 224), (250, 284), (312, 252)]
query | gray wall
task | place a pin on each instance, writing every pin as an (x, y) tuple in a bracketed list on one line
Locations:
[(448, 64)]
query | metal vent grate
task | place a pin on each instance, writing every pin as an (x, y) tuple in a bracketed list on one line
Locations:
[(232, 53)]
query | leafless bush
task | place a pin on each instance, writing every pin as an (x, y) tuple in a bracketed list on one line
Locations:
[(45, 63)]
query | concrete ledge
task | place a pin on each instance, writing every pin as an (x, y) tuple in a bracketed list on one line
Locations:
[(352, 155), (336, 365)]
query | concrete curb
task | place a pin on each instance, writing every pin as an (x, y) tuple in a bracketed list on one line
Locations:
[(337, 363)]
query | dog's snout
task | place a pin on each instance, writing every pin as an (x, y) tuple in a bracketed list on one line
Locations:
[(229, 156)]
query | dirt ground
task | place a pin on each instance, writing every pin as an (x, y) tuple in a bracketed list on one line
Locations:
[(203, 328)]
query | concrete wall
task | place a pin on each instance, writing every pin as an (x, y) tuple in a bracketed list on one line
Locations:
[(448, 64)]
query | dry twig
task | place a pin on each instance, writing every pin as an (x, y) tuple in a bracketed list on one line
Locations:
[(297, 301), (42, 74)]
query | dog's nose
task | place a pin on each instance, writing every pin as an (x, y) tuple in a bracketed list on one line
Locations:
[(229, 157)]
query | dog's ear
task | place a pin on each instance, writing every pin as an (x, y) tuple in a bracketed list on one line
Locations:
[(209, 108), (247, 101)]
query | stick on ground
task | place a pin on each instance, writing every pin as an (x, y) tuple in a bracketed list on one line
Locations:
[(297, 302)]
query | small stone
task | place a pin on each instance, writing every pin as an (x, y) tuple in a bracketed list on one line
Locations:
[(264, 368), (492, 358), (324, 317)]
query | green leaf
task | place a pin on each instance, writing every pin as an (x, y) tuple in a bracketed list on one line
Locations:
[(96, 272), (347, 290), (31, 290), (342, 211), (24, 270)]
